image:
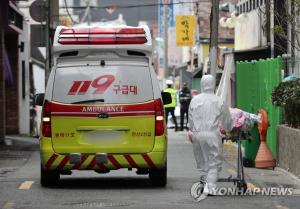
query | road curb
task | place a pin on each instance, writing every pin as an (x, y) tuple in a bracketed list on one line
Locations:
[(292, 176), (21, 138)]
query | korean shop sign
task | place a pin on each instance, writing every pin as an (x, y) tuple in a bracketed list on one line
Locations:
[(185, 27)]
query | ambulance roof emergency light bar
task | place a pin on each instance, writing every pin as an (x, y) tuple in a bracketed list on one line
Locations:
[(91, 39), (102, 36)]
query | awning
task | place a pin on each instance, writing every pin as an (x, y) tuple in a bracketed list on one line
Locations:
[(252, 54)]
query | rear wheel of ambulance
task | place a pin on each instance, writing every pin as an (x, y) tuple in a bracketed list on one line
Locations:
[(158, 176), (49, 178)]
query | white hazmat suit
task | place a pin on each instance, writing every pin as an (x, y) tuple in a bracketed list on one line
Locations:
[(206, 113)]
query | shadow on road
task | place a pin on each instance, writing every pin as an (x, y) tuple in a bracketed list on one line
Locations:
[(18, 145), (105, 183)]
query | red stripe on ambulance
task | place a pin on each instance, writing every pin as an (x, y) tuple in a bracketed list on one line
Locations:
[(92, 163), (113, 160), (130, 161), (51, 160), (71, 108), (78, 165), (63, 162), (148, 161), (101, 166), (115, 114)]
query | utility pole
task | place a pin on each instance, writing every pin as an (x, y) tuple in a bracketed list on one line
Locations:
[(214, 37), (269, 35), (89, 13), (52, 13), (47, 40), (166, 12), (192, 53), (198, 33)]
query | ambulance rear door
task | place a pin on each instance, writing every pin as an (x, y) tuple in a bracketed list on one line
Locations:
[(106, 108)]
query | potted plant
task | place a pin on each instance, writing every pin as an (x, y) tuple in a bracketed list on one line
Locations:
[(287, 96)]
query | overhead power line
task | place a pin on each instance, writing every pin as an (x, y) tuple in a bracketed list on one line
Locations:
[(67, 10), (136, 5)]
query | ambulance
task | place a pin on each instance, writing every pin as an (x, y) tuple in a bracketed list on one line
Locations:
[(103, 108)]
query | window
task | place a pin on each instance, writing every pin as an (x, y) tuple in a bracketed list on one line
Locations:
[(250, 6), (112, 84), (247, 6)]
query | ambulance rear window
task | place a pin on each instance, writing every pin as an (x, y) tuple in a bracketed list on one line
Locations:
[(105, 84)]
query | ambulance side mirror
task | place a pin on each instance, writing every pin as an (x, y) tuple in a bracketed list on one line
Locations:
[(166, 97), (39, 99)]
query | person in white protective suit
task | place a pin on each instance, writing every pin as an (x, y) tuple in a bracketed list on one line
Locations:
[(206, 113)]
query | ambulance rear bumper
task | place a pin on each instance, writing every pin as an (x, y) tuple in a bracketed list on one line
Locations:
[(90, 161)]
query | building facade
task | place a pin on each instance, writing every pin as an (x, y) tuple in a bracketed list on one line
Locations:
[(257, 33), (226, 34), (14, 71)]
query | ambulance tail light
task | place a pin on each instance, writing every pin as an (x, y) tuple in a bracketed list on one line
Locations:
[(46, 119), (102, 36), (159, 118)]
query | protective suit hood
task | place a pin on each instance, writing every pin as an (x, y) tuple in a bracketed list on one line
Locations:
[(208, 84)]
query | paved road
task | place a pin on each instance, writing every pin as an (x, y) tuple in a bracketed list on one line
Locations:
[(118, 189)]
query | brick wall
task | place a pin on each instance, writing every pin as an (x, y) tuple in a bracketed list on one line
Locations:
[(11, 91)]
